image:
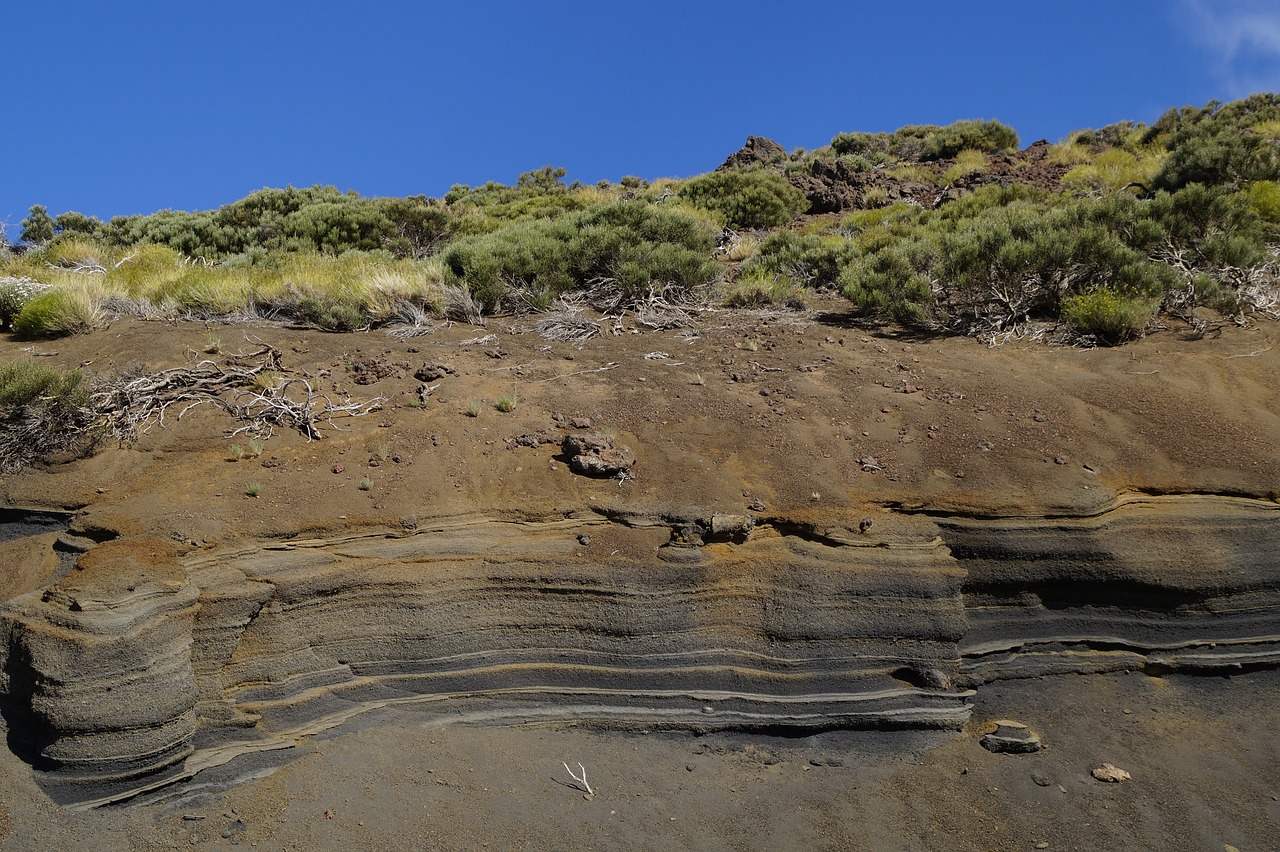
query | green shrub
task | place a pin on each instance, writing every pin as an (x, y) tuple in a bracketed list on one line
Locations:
[(43, 410), (755, 199), (1110, 317), (56, 313), (72, 222), (630, 245), (1264, 200), (929, 141), (759, 291), (811, 260), (15, 293), (1006, 255), (38, 226)]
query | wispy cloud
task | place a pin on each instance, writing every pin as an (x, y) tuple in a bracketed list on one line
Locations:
[(1242, 37)]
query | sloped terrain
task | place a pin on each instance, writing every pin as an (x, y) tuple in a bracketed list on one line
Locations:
[(827, 529)]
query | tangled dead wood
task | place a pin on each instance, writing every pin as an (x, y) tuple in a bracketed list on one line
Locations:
[(131, 405), (292, 404)]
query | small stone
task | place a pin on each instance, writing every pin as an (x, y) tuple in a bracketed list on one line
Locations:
[(339, 468), (1011, 737), (1040, 418), (584, 539), (1043, 844), (688, 767), (1041, 779), (1110, 774), (1062, 459)]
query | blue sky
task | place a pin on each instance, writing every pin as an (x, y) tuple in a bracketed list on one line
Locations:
[(131, 107)]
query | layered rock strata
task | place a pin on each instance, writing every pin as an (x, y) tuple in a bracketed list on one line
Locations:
[(119, 679)]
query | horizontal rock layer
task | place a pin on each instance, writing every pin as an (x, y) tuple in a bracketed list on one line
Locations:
[(120, 679)]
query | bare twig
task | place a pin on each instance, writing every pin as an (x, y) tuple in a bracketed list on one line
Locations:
[(1252, 354), (581, 778), (610, 366)]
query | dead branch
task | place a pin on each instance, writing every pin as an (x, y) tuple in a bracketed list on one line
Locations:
[(129, 405), (564, 324), (607, 367), (292, 404)]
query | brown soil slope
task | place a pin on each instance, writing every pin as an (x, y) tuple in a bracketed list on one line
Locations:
[(826, 527)]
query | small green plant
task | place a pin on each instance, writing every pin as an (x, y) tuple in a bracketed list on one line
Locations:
[(968, 162), (212, 345), (267, 380), (235, 452), (14, 295), (473, 409), (255, 447), (56, 313), (365, 484), (384, 451), (1109, 316), (506, 403), (253, 489), (43, 411)]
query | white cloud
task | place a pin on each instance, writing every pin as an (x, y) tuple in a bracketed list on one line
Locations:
[(1242, 37)]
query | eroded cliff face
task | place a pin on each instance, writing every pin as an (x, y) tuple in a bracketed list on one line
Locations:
[(118, 681)]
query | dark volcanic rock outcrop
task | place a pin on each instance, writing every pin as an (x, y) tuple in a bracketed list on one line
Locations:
[(758, 151)]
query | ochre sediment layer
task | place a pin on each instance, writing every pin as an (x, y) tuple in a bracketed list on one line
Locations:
[(118, 679)]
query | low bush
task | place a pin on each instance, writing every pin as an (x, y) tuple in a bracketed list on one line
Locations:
[(1108, 316), (810, 260), (628, 245), (55, 313), (929, 141), (754, 199), (43, 411), (1006, 255), (15, 293), (759, 291)]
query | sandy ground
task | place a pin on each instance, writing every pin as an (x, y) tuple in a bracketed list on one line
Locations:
[(1201, 750), (760, 409)]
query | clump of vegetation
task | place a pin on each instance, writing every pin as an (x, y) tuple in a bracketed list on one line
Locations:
[(630, 247), (1009, 255), (746, 199), (253, 489), (15, 293), (506, 403), (1109, 316), (810, 260), (365, 484), (55, 313), (928, 141), (1143, 220), (44, 411), (765, 292)]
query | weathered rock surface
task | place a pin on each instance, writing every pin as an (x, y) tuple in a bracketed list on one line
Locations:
[(757, 151), (117, 680)]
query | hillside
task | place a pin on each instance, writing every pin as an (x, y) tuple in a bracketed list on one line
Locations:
[(333, 521)]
